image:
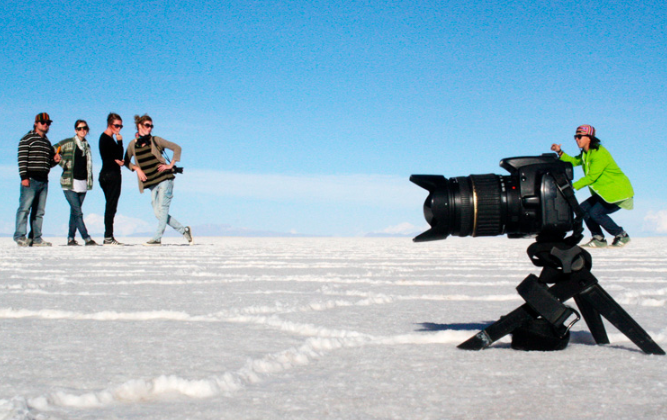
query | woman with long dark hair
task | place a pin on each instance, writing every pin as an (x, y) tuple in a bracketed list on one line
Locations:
[(610, 188), (111, 179)]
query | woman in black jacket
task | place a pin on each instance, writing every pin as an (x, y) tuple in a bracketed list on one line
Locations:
[(110, 176)]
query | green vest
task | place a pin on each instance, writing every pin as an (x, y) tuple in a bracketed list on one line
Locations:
[(602, 176), (67, 154)]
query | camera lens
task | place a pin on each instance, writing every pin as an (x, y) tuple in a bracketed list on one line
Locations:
[(463, 206)]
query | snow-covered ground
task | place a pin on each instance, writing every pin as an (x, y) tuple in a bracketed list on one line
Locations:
[(320, 328)]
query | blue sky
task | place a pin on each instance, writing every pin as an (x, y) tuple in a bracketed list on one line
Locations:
[(309, 117)]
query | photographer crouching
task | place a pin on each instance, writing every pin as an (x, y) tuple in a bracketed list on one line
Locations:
[(155, 173)]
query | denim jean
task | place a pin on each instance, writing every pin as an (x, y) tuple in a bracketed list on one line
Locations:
[(161, 195), (596, 216), (32, 201), (75, 201)]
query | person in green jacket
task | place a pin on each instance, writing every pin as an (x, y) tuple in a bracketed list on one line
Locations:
[(610, 188)]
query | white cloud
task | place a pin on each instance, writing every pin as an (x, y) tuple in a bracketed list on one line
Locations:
[(656, 221), (8, 172), (7, 227), (123, 225), (379, 190), (403, 229)]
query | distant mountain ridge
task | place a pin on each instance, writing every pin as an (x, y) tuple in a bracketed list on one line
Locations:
[(228, 230)]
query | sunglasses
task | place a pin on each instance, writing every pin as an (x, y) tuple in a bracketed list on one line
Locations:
[(118, 125), (149, 125), (578, 136), (82, 128), (45, 122)]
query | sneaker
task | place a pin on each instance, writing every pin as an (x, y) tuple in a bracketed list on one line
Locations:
[(188, 235), (111, 241), (153, 242), (91, 242), (23, 242), (72, 242), (596, 242), (41, 243), (621, 240)]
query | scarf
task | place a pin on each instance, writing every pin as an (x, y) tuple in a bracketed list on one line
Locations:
[(143, 141), (82, 144)]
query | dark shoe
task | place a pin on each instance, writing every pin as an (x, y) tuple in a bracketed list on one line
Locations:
[(72, 242), (23, 242), (41, 243), (111, 241), (188, 235), (596, 242), (91, 242), (153, 242), (621, 240)]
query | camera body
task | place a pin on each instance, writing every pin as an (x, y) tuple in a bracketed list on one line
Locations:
[(525, 203), (177, 169)]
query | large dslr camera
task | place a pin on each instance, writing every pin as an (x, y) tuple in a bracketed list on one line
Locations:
[(526, 203), (535, 199)]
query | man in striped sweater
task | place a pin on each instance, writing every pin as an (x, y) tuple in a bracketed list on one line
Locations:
[(36, 158)]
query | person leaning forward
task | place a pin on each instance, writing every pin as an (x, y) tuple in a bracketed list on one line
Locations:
[(610, 188), (36, 157), (154, 173)]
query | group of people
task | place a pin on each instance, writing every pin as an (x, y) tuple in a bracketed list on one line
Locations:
[(144, 155), (610, 188)]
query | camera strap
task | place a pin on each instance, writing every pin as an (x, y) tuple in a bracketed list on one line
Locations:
[(161, 150), (567, 190), (565, 187)]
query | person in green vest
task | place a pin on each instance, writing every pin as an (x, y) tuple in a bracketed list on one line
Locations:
[(610, 188), (77, 179)]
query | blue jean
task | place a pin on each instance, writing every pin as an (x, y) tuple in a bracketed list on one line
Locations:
[(32, 201), (161, 195), (596, 216), (75, 201)]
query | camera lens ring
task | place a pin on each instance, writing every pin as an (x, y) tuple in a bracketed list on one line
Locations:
[(464, 204), (488, 205)]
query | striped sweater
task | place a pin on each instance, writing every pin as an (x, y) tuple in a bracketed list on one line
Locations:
[(157, 145), (149, 163), (35, 157)]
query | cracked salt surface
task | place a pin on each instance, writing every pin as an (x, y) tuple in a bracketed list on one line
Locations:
[(341, 328)]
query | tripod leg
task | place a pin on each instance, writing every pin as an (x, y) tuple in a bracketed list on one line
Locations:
[(507, 324), (593, 320), (494, 332), (601, 301)]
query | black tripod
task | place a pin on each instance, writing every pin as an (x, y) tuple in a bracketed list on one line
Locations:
[(568, 268)]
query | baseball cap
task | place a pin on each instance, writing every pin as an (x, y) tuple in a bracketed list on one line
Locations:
[(42, 117), (585, 130)]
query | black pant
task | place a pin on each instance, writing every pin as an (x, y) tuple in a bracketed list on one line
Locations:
[(111, 183), (597, 213)]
